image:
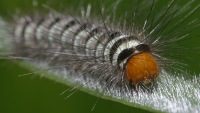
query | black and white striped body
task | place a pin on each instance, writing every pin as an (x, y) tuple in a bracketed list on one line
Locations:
[(78, 36)]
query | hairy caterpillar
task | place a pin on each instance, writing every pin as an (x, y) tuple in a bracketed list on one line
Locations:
[(42, 46), (92, 44)]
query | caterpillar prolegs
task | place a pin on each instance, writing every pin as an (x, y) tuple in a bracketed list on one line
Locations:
[(107, 52)]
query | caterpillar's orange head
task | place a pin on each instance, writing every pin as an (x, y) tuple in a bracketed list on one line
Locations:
[(141, 68)]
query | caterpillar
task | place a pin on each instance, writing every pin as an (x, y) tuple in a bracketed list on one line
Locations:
[(93, 43), (101, 54)]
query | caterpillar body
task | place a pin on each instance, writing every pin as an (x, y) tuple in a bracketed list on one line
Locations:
[(112, 50), (115, 59)]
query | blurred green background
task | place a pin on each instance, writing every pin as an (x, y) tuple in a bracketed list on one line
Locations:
[(32, 94)]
